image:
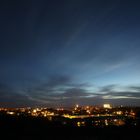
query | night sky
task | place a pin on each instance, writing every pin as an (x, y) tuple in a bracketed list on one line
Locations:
[(63, 52)]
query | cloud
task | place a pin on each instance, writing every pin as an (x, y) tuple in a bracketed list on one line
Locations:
[(111, 92), (135, 88), (16, 100), (108, 88), (75, 93), (122, 95), (71, 93), (56, 86), (9, 97), (61, 91)]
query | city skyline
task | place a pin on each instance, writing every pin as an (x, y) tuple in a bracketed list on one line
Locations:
[(62, 53)]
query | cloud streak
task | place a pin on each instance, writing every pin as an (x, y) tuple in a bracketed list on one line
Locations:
[(61, 91)]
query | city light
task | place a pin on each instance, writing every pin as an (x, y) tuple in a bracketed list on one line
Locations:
[(108, 106), (98, 116), (119, 112), (10, 113), (77, 106)]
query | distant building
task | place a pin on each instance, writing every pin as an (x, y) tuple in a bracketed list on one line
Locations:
[(107, 106)]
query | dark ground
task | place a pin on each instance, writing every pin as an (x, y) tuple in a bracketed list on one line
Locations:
[(71, 134), (38, 129)]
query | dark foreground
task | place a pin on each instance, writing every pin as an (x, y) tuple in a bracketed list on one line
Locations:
[(71, 133), (29, 129)]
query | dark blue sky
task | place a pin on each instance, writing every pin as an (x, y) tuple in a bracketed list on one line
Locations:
[(62, 52)]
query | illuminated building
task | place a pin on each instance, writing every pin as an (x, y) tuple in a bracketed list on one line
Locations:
[(107, 106)]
